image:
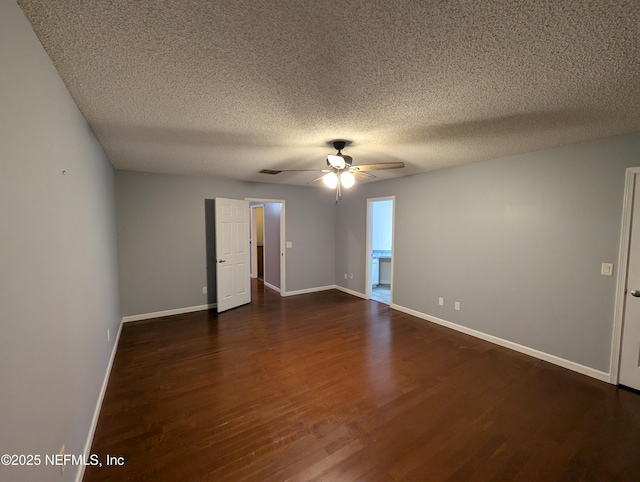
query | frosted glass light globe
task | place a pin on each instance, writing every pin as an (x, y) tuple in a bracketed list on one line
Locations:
[(330, 180), (347, 179)]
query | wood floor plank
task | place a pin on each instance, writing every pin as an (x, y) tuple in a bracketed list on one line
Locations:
[(326, 386)]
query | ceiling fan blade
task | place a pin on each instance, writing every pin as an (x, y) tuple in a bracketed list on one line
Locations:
[(336, 161), (278, 171), (365, 175), (316, 179), (380, 166)]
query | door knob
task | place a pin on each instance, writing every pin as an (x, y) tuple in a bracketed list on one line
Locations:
[(635, 293), (222, 260)]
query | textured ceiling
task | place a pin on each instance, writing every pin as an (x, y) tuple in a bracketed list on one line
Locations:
[(227, 88)]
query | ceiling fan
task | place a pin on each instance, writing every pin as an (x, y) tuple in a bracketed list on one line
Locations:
[(340, 172)]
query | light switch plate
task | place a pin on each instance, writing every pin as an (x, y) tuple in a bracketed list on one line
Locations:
[(289, 244), (607, 269)]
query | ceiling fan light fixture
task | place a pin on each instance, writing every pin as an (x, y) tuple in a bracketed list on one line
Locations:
[(347, 179), (336, 161), (340, 172), (330, 180)]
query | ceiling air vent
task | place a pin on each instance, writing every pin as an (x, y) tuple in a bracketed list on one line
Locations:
[(269, 171)]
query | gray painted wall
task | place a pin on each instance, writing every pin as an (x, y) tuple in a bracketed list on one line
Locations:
[(382, 225), (161, 236), (272, 243), (58, 280), (518, 241)]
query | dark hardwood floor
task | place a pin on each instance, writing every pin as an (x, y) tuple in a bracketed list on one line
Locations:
[(327, 386)]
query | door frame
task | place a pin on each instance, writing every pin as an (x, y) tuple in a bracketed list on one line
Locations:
[(282, 238), (254, 234), (621, 278), (368, 247)]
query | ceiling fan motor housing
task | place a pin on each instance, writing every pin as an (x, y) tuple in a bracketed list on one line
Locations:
[(339, 145)]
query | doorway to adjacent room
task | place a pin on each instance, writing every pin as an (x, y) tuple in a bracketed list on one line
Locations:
[(380, 224), (267, 242)]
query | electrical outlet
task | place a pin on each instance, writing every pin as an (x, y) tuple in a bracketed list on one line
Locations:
[(441, 301), (108, 334), (63, 462), (350, 275), (345, 276), (204, 290), (457, 306)]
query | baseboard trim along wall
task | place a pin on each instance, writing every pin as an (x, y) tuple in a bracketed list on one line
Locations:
[(308, 290), (159, 314), (576, 367), (96, 413), (351, 292), (269, 285), (325, 288)]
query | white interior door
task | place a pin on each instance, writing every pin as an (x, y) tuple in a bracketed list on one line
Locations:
[(232, 253), (630, 351)]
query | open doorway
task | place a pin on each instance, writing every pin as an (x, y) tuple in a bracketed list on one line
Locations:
[(380, 224), (256, 241), (267, 242)]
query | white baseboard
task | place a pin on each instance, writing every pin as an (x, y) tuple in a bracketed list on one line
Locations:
[(96, 412), (325, 288), (576, 367), (351, 292), (308, 290), (158, 314), (269, 285)]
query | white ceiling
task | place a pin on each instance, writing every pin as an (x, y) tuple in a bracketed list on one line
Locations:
[(227, 88)]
